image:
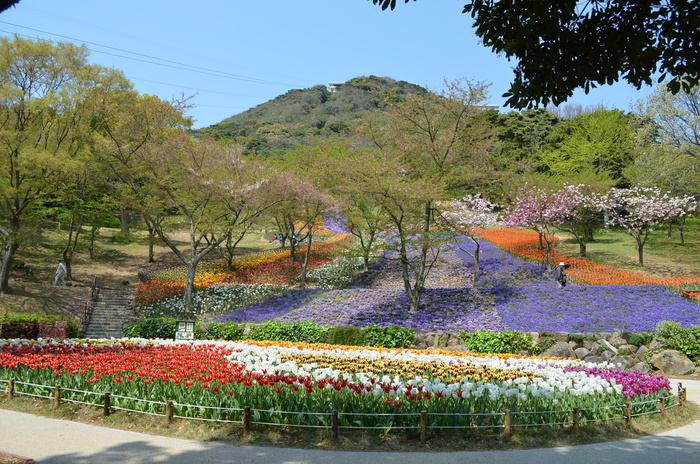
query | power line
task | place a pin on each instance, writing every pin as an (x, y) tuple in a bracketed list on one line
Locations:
[(147, 58)]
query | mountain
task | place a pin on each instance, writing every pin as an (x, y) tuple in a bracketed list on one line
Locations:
[(298, 115)]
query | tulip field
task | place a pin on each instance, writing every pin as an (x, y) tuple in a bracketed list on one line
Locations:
[(301, 384), (371, 388)]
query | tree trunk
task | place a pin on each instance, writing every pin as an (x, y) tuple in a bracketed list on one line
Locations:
[(6, 266), (151, 241), (189, 287), (11, 247), (305, 262), (640, 251), (681, 226), (581, 249), (477, 265)]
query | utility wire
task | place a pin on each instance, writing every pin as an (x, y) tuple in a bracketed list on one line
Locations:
[(147, 58)]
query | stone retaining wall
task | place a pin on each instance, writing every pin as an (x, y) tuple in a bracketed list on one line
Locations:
[(595, 347)]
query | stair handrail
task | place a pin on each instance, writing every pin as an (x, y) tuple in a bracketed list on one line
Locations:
[(89, 304)]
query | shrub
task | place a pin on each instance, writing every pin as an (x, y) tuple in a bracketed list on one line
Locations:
[(221, 331), (507, 341), (675, 337), (390, 336), (641, 339), (352, 336), (543, 345), (159, 327), (302, 331), (33, 326)]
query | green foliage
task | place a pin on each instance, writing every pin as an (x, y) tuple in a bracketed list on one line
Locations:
[(346, 335), (641, 339), (220, 331), (507, 341), (543, 345), (390, 336), (33, 326), (159, 327), (302, 331), (297, 115), (675, 337), (123, 238)]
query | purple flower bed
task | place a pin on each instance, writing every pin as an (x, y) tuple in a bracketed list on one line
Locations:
[(588, 308), (510, 294)]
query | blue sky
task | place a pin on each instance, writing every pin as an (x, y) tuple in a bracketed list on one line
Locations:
[(234, 55)]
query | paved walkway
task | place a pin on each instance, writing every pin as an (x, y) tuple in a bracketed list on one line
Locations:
[(51, 441)]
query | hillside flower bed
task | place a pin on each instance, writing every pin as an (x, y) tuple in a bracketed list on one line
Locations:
[(509, 294), (525, 244), (298, 383), (267, 269)]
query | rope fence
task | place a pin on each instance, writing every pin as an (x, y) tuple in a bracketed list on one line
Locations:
[(502, 420)]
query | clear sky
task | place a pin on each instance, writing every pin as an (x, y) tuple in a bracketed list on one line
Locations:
[(232, 55)]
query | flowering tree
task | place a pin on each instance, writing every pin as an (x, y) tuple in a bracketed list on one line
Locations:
[(640, 210), (543, 210), (470, 216)]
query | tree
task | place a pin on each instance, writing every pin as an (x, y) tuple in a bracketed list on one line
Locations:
[(431, 147), (47, 107), (543, 210), (640, 210), (560, 46), (676, 118), (5, 4), (524, 133), (599, 143), (470, 216)]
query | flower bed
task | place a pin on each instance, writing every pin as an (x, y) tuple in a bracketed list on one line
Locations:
[(300, 384), (510, 294), (269, 268), (525, 243)]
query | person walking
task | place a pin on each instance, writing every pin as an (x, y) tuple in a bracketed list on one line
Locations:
[(60, 273), (559, 274)]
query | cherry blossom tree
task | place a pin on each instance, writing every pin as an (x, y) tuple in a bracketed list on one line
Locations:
[(469, 217), (640, 210), (543, 210)]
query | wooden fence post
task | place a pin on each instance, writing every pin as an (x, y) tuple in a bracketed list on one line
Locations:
[(334, 424), (246, 419), (57, 396), (662, 408), (628, 413), (169, 411), (11, 388), (506, 425), (423, 427), (107, 403), (576, 419)]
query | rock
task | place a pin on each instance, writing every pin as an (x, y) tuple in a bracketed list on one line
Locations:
[(656, 344), (608, 355), (627, 348), (594, 348), (535, 336), (608, 346), (594, 359), (616, 340), (620, 363), (641, 352), (560, 349), (642, 367), (581, 353), (672, 362)]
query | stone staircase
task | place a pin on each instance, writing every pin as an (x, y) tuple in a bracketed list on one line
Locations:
[(111, 311)]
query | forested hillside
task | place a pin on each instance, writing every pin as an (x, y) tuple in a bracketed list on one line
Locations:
[(300, 114)]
